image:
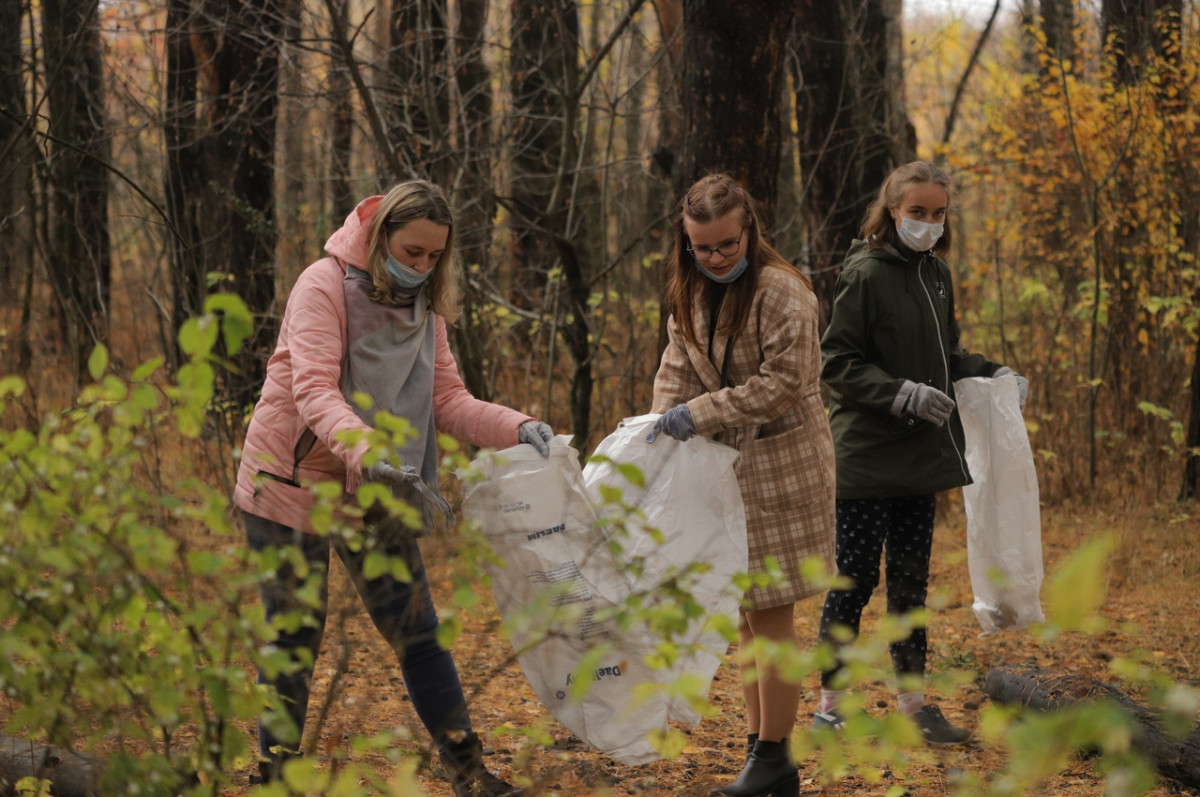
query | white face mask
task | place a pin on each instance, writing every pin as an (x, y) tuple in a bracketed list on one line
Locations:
[(919, 236)]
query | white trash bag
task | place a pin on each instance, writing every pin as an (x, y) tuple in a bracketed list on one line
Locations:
[(559, 576), (691, 497), (1004, 527)]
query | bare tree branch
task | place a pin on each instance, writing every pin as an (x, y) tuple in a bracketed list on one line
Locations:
[(372, 110), (962, 83)]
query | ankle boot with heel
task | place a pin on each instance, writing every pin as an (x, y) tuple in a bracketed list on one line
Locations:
[(768, 773)]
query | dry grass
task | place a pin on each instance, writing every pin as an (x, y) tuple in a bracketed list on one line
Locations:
[(1152, 598)]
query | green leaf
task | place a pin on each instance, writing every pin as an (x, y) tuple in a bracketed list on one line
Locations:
[(449, 631), (236, 322), (670, 744), (146, 369), (98, 361), (12, 386), (633, 473), (584, 674), (1076, 591), (375, 565), (302, 776), (205, 563)]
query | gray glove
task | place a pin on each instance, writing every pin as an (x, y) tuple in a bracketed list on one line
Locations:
[(1022, 383), (536, 434), (926, 402), (406, 483), (676, 422)]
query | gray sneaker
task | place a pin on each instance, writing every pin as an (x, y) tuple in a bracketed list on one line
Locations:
[(831, 720), (936, 729)]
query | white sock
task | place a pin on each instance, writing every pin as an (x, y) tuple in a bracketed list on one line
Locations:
[(910, 702), (829, 700)]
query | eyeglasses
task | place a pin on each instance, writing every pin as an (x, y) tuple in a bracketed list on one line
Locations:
[(724, 250)]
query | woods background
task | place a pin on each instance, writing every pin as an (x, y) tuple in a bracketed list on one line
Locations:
[(152, 153)]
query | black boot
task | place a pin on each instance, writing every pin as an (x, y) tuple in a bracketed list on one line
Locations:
[(768, 773), (751, 738), (463, 761)]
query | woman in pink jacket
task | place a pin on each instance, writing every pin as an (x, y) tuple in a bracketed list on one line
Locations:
[(369, 319)]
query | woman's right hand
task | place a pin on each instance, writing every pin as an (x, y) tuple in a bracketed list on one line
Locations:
[(405, 482), (929, 404)]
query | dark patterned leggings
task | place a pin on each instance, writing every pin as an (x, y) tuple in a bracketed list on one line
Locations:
[(901, 529)]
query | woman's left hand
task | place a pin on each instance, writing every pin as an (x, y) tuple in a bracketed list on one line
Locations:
[(1022, 383)]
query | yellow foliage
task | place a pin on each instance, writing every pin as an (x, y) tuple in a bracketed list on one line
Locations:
[(1069, 180)]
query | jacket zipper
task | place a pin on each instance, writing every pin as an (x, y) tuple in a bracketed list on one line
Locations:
[(962, 464)]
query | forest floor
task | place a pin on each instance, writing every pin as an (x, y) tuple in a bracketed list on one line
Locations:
[(1151, 605)]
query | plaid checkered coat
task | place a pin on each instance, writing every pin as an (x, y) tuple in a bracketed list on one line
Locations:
[(771, 412)]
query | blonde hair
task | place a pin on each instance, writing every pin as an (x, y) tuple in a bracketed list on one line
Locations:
[(414, 200), (879, 228), (711, 198)]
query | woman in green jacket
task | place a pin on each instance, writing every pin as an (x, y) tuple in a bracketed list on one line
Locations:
[(891, 356)]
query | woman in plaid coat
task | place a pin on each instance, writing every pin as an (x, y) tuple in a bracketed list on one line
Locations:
[(743, 366)]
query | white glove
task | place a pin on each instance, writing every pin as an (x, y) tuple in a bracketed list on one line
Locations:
[(1022, 383)]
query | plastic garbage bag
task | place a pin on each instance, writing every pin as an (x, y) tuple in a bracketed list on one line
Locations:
[(1004, 527), (691, 511), (563, 571)]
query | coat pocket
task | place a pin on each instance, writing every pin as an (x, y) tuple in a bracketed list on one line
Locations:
[(777, 474)]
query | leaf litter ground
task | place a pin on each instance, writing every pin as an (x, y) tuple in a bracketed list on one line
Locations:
[(1152, 585)]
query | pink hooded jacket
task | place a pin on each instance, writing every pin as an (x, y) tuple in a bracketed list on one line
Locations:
[(303, 392)]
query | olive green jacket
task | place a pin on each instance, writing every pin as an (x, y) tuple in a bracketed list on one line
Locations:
[(893, 320)]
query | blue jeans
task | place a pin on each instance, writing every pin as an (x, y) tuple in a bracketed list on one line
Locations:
[(403, 613), (902, 530)]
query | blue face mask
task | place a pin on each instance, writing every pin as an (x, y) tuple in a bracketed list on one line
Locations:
[(730, 275), (407, 278)]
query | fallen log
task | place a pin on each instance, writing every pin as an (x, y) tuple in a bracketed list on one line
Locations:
[(70, 774), (1044, 690)]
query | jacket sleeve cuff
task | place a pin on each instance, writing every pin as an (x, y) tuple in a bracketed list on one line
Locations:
[(902, 397), (704, 415)]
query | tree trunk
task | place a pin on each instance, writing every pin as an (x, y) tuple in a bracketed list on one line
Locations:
[(1191, 469), (669, 147), (295, 244), (78, 259), (733, 78), (71, 774), (1058, 26), (223, 70), (417, 100), (853, 130), (343, 197), (1134, 28), (16, 154), (545, 50), (1043, 690), (474, 196)]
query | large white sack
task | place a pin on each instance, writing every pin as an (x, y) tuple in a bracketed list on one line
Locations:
[(1004, 527), (690, 496), (541, 520)]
